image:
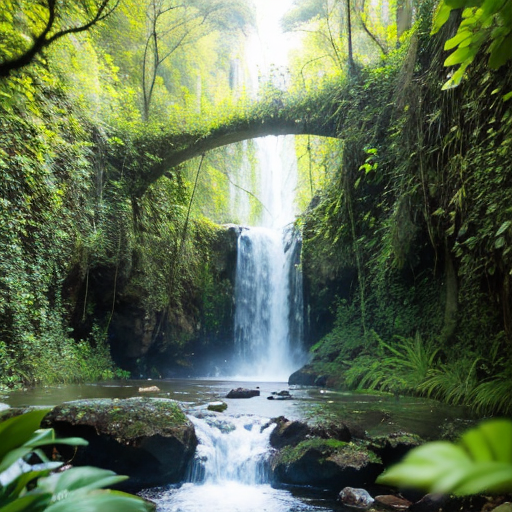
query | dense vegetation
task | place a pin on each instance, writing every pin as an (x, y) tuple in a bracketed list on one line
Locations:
[(408, 244), (407, 227), (81, 253)]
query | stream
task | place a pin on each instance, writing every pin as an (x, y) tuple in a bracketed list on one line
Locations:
[(230, 472)]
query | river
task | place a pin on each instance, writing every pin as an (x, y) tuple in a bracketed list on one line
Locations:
[(230, 472)]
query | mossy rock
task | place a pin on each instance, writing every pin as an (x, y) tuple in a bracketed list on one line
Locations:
[(392, 447), (326, 463), (217, 406), (149, 439)]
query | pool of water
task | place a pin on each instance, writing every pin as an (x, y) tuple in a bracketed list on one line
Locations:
[(377, 414)]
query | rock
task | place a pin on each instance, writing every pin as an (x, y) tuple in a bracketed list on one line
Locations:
[(356, 498), (446, 503), (306, 376), (150, 389), (149, 439), (339, 431), (392, 447), (288, 433), (326, 463), (243, 393), (392, 502), (217, 406), (283, 393)]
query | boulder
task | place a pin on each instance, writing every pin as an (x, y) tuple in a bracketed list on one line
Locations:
[(288, 433), (291, 433), (326, 463), (306, 376), (355, 498), (243, 393), (392, 447), (149, 439)]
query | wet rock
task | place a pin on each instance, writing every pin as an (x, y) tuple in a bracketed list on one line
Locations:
[(326, 463), (149, 439), (339, 431), (392, 447), (283, 393), (356, 498), (217, 406), (288, 433), (285, 397), (306, 376), (243, 393), (392, 502)]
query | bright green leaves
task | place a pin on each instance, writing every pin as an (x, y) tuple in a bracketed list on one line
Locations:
[(480, 462), (483, 21), (25, 488)]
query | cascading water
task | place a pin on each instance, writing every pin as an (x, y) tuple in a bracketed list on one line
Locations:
[(268, 294), (268, 317), (231, 471)]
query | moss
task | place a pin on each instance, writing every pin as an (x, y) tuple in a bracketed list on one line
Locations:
[(127, 419), (344, 454)]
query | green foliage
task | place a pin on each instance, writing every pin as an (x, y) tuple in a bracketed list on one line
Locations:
[(34, 487), (399, 367), (485, 23), (387, 243), (481, 462)]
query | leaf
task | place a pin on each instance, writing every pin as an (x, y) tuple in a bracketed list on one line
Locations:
[(500, 242), (500, 52), (457, 39), (100, 501), (441, 17), (29, 503), (503, 227), (481, 462), (16, 431), (460, 55), (83, 478)]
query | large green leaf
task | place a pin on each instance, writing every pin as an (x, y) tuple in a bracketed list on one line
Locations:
[(480, 462), (100, 501), (83, 478), (32, 503), (16, 431)]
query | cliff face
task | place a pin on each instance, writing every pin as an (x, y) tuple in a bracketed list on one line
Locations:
[(174, 340)]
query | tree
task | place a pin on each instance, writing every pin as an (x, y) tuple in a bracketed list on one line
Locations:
[(53, 14), (173, 24)]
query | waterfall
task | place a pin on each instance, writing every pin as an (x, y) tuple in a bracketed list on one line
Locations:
[(231, 471), (231, 449), (268, 291)]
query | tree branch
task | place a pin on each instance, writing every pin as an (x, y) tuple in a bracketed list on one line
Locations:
[(42, 40)]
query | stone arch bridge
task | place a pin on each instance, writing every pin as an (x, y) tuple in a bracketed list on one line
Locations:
[(313, 114)]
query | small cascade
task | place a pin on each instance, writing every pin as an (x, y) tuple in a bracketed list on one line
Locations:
[(231, 449), (268, 327), (231, 471)]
